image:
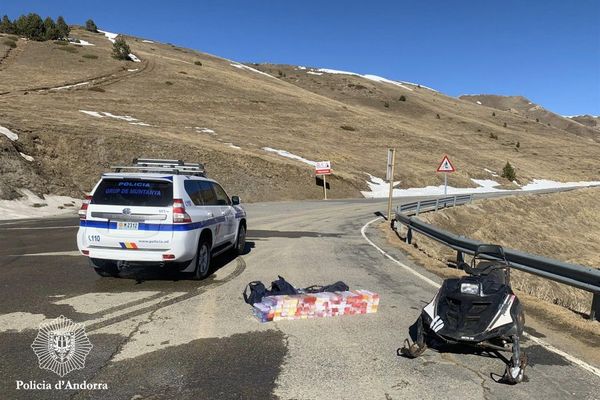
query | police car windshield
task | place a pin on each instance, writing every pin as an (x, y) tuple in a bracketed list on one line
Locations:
[(134, 192)]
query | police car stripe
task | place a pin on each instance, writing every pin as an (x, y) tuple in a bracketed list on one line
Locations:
[(153, 227)]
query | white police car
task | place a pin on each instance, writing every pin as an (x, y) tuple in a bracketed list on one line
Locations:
[(159, 212)]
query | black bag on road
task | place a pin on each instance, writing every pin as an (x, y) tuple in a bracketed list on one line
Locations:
[(256, 290)]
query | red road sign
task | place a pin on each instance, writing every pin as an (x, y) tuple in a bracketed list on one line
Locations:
[(446, 166), (323, 168)]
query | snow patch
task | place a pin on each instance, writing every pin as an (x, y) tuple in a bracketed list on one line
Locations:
[(147, 41), (314, 73), (133, 70), (31, 206), (337, 71), (300, 67), (205, 130), (92, 113), (385, 80), (8, 133), (233, 146), (128, 118), (81, 43), (478, 102), (25, 156), (242, 66), (134, 58), (380, 188), (418, 85), (109, 35), (490, 172), (375, 78), (71, 86), (287, 154)]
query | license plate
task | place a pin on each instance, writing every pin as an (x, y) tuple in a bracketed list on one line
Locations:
[(128, 226)]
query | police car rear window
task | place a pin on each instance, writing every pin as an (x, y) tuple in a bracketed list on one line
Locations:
[(125, 192)]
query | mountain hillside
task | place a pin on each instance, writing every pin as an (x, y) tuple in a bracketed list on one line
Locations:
[(524, 107), (75, 110), (587, 120)]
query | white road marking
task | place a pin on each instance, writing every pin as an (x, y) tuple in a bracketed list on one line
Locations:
[(406, 267), (547, 346)]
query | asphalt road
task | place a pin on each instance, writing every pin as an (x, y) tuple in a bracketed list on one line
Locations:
[(160, 336)]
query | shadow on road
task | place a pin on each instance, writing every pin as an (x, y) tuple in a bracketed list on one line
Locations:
[(265, 234)]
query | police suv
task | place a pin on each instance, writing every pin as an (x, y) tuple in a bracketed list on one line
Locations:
[(162, 212)]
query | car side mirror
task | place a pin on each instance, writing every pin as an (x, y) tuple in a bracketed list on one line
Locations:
[(235, 200)]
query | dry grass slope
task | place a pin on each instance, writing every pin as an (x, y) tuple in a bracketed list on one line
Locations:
[(337, 117)]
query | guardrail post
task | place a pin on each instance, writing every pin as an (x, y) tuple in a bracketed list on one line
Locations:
[(437, 203), (471, 198), (418, 207), (409, 236), (454, 202), (595, 313)]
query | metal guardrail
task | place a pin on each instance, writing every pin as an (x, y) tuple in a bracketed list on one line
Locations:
[(578, 276), (433, 204)]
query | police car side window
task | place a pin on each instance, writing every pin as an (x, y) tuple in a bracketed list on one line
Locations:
[(207, 193), (222, 197), (193, 190)]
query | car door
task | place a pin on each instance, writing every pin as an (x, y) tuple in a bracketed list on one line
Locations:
[(227, 212), (206, 191)]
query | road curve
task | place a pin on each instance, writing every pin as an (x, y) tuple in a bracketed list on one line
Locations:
[(164, 336)]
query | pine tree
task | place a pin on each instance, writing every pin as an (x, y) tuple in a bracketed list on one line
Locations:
[(508, 172), (50, 31), (90, 25), (62, 27), (30, 26), (6, 25), (121, 49)]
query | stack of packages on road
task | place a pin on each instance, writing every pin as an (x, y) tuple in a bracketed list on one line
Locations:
[(315, 305)]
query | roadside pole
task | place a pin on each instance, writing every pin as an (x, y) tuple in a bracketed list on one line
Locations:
[(390, 176), (324, 186), (445, 183)]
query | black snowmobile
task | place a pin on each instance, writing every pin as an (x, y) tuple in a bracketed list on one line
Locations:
[(479, 310)]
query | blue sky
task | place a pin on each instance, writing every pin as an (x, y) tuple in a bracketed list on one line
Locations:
[(546, 50)]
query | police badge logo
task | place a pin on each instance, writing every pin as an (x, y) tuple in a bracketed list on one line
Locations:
[(61, 346)]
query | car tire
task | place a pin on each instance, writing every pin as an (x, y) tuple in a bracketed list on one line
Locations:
[(202, 260), (240, 241)]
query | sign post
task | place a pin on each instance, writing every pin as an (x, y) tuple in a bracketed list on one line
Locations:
[(389, 176), (445, 167), (323, 168)]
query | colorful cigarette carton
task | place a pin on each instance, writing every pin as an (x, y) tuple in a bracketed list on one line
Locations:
[(316, 305)]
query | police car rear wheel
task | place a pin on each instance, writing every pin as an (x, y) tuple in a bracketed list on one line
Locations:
[(202, 261)]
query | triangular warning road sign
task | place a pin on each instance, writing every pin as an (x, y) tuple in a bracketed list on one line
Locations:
[(446, 166)]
